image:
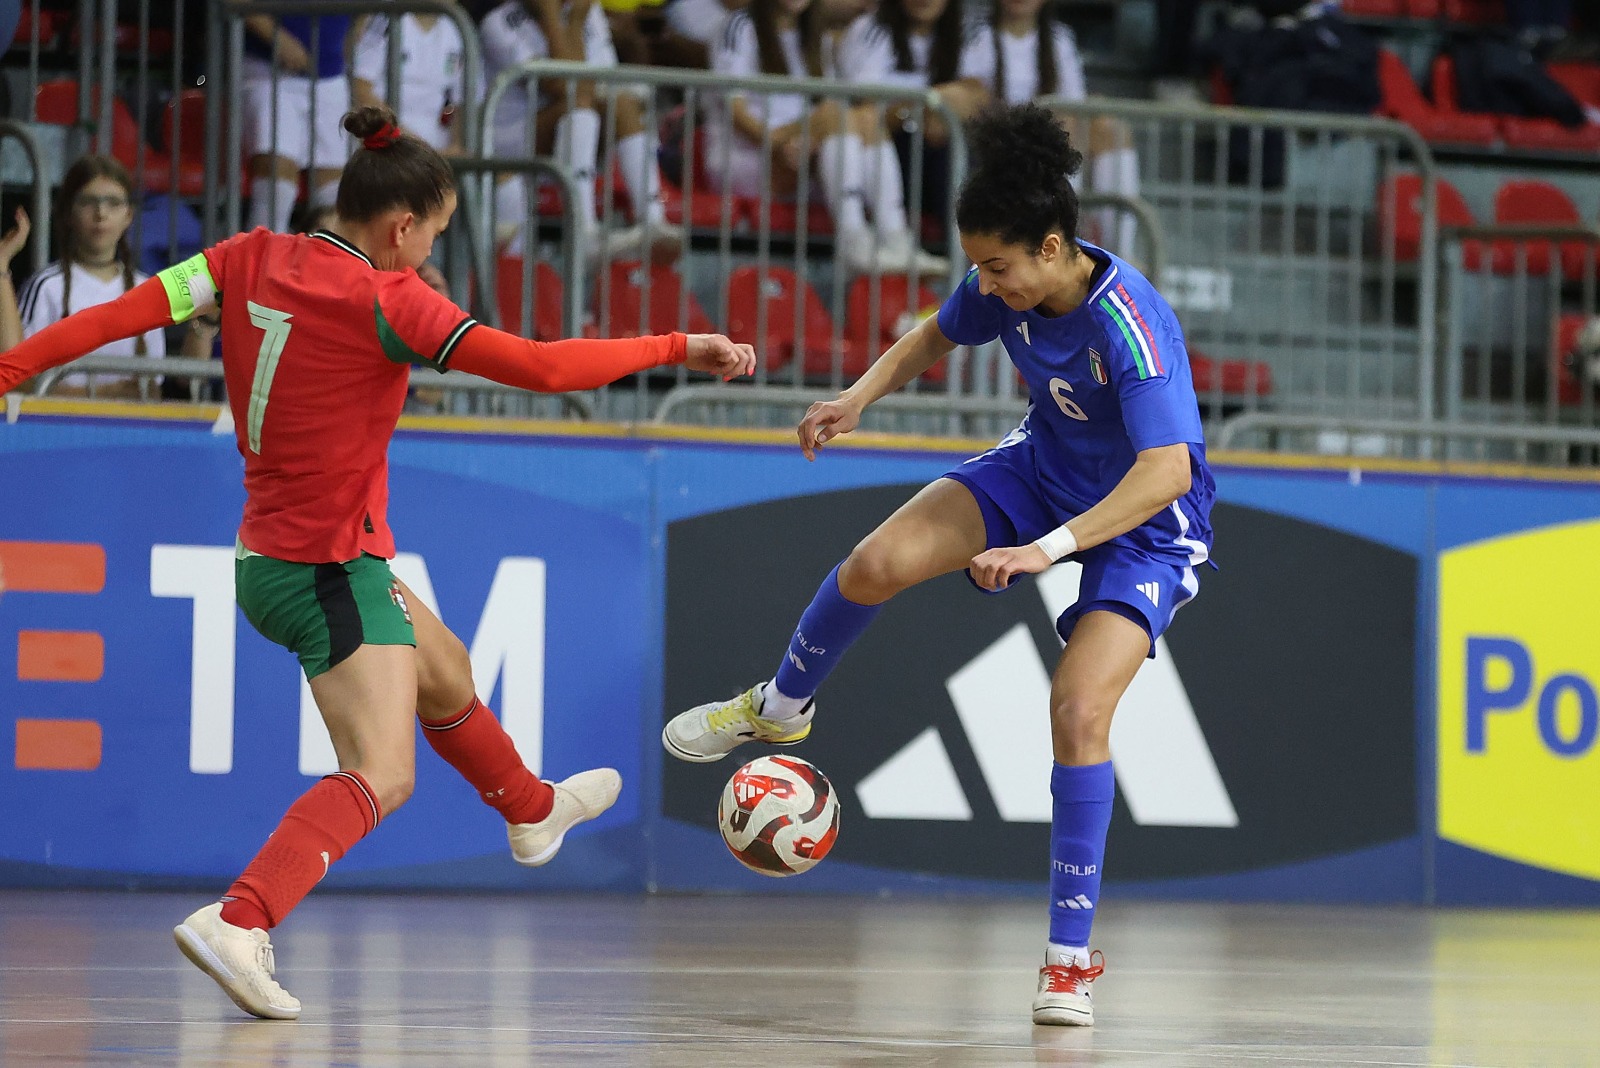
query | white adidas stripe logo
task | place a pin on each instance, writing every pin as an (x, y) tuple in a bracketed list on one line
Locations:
[(1152, 592), (1078, 903)]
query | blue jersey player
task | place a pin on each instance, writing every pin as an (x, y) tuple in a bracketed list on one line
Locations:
[(1108, 467)]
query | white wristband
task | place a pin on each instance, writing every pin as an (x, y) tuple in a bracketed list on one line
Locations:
[(1058, 543)]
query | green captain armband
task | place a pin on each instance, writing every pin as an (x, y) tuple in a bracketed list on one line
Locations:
[(189, 287)]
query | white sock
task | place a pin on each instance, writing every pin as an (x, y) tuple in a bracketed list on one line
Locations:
[(887, 190), (578, 149), (840, 162), (1055, 954), (637, 152), (775, 704), (511, 212), (263, 211), (1117, 171)]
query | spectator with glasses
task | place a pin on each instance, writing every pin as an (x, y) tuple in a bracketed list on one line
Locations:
[(94, 211)]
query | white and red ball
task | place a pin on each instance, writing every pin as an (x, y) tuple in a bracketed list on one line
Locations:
[(779, 815)]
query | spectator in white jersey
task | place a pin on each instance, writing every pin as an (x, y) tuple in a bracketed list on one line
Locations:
[(569, 126), (922, 44), (857, 168), (432, 75), (1036, 55), (295, 95), (698, 24), (94, 210)]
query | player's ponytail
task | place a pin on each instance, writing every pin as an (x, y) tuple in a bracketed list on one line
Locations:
[(392, 169), (1018, 189)]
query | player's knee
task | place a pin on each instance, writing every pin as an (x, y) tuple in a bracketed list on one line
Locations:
[(1079, 723), (872, 574), (394, 789)]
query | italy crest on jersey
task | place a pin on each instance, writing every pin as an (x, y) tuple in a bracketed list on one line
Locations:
[(1097, 367)]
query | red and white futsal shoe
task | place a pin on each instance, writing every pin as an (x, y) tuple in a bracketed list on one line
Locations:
[(1063, 997)]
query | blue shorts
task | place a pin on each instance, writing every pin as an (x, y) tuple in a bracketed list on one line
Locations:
[(1117, 577)]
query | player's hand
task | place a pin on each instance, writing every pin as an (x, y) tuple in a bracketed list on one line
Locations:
[(994, 569), (716, 355), (824, 421), (12, 241)]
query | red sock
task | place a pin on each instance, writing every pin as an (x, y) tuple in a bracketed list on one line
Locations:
[(317, 830), (475, 744)]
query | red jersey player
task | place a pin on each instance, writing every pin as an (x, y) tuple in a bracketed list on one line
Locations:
[(319, 335)]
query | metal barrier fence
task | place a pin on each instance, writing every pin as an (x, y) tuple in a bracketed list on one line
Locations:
[(1280, 260), (38, 186), (1302, 252), (749, 264), (1515, 301)]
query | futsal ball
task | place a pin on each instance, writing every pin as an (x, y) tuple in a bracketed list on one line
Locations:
[(779, 815)]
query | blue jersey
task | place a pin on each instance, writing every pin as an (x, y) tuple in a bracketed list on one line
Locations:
[(1105, 381), (328, 60)]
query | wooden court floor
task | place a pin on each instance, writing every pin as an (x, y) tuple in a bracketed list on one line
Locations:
[(94, 979)]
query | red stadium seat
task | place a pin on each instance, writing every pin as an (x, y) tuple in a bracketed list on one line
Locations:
[(48, 27), (57, 104), (785, 218), (185, 126), (1424, 9), (749, 292), (868, 340), (1400, 207), (548, 295), (1404, 101), (1233, 378), (1582, 80), (625, 303), (1548, 135), (1382, 9), (1532, 203), (1479, 12)]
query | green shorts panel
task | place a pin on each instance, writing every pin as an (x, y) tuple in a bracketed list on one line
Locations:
[(323, 612)]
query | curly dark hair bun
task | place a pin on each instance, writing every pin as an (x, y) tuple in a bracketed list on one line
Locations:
[(1018, 188)]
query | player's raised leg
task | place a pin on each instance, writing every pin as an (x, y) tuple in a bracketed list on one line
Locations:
[(366, 701), (464, 731), (938, 531), (1099, 662)]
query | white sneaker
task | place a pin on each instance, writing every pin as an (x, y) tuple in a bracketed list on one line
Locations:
[(579, 798), (861, 252), (712, 731), (239, 960), (1063, 997)]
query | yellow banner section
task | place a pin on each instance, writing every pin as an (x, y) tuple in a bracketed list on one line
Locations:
[(1519, 656)]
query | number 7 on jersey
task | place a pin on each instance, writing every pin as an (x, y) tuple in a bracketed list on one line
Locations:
[(275, 326)]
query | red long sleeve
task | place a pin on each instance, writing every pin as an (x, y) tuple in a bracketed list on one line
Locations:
[(561, 366), (141, 309)]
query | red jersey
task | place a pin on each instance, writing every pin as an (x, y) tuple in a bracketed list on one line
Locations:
[(317, 348)]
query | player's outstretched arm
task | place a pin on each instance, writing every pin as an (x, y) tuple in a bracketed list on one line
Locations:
[(915, 352), (141, 309), (581, 363)]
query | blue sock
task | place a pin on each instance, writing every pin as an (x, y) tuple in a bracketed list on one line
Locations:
[(830, 625), (1080, 815)]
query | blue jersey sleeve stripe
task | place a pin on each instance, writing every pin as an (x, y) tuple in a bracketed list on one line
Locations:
[(1141, 361)]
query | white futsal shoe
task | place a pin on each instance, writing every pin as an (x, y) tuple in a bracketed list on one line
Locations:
[(712, 731), (1063, 997), (578, 798), (239, 960)]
